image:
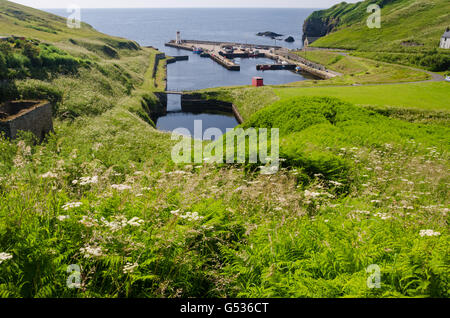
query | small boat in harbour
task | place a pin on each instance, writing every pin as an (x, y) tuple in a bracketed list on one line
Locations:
[(197, 50)]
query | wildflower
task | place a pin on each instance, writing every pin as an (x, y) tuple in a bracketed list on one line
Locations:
[(49, 175), (97, 146), (116, 225), (121, 187), (192, 216), (88, 221), (130, 267), (72, 205), (428, 233), (335, 183), (88, 180), (5, 257), (310, 194), (63, 217), (91, 251), (175, 212), (268, 170), (178, 172), (135, 221), (383, 216)]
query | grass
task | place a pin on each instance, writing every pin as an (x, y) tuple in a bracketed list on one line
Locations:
[(426, 96), (423, 22), (356, 70)]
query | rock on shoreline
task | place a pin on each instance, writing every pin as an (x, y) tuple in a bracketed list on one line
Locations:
[(269, 34), (290, 39)]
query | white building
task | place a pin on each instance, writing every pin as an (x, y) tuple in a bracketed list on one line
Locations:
[(445, 40)]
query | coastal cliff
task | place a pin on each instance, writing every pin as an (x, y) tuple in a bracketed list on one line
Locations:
[(323, 22), (318, 26)]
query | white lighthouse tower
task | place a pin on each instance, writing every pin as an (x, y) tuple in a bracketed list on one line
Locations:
[(178, 41)]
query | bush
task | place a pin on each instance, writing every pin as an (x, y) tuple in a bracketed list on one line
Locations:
[(34, 89), (3, 67)]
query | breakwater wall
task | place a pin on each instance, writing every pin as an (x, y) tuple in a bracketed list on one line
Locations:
[(158, 58), (228, 44), (175, 59)]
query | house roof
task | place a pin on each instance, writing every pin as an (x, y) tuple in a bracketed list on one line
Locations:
[(446, 35)]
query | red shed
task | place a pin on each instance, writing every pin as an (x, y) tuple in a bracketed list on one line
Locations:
[(258, 81)]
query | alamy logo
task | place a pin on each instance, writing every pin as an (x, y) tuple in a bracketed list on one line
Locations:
[(374, 280), (237, 146), (74, 279), (374, 20), (74, 19)]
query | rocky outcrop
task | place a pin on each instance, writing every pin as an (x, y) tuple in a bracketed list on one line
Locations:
[(318, 26), (290, 39), (269, 34)]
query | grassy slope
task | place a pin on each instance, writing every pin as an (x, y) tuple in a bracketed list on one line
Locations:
[(422, 21), (426, 96), (356, 70), (258, 236)]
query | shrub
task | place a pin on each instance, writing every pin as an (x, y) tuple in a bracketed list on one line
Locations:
[(35, 89), (3, 67)]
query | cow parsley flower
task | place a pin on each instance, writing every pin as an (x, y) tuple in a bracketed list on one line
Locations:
[(88, 221), (130, 267), (49, 175), (88, 180), (63, 217), (5, 257), (92, 251), (383, 216), (135, 221), (429, 233), (192, 216), (121, 187), (71, 205), (310, 194)]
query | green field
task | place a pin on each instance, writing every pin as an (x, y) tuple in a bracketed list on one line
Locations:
[(357, 70), (427, 96)]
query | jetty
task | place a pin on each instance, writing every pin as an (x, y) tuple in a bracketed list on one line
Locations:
[(224, 54)]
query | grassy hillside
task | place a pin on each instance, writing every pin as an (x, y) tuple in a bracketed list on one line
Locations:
[(410, 27), (418, 21)]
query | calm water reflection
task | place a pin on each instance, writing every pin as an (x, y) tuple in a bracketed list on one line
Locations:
[(176, 118)]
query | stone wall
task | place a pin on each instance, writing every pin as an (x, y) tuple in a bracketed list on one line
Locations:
[(32, 116), (158, 57)]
